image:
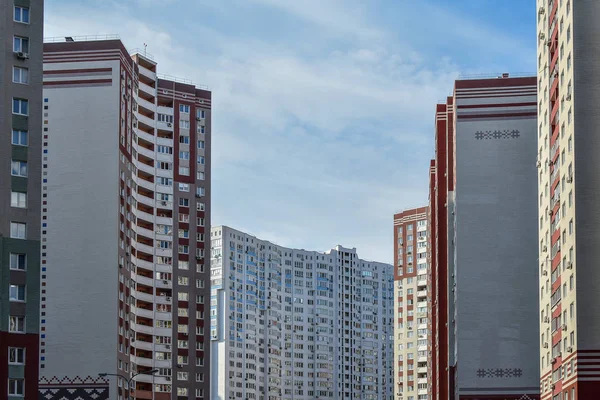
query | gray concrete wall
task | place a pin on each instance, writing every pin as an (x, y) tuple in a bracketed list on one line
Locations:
[(82, 276), (496, 253), (586, 103)]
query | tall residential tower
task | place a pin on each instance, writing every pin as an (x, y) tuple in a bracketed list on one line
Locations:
[(297, 324), (126, 206), (484, 296), (410, 304), (21, 27), (569, 187)]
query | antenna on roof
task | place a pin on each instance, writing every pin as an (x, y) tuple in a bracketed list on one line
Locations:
[(145, 45)]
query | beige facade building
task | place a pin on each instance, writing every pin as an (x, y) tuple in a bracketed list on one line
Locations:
[(410, 304), (569, 185)]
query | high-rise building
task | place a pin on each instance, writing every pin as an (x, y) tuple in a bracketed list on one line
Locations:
[(21, 27), (484, 297), (126, 204), (297, 324), (410, 304), (569, 223)]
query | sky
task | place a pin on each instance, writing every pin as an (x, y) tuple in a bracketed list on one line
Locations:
[(323, 110)]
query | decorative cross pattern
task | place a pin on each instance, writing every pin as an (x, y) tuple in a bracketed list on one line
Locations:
[(503, 134), (76, 393), (499, 373)]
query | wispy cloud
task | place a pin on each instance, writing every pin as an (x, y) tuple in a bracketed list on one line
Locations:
[(317, 139)]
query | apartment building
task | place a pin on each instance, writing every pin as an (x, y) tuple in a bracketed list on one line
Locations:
[(568, 186), (410, 304), (21, 28), (484, 305), (126, 204), (296, 324)]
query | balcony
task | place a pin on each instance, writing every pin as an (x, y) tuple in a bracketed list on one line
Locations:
[(149, 169), (164, 284), (144, 215), (141, 328), (143, 231), (164, 252), (142, 296), (164, 189), (143, 263), (164, 220), (142, 312), (143, 361), (164, 110), (164, 126), (164, 268), (145, 120), (140, 344), (164, 173), (146, 104), (142, 150), (144, 183), (147, 89), (164, 141), (142, 280), (163, 300), (145, 135)]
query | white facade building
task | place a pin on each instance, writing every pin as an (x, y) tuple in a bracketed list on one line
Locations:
[(297, 324)]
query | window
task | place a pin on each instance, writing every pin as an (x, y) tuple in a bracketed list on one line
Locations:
[(184, 249), (200, 144), (199, 191), (184, 139), (18, 199), (184, 171), (200, 114), (200, 129), (17, 293), (18, 261), (184, 124), (20, 107), (184, 202), (184, 187), (17, 230), (20, 44), (165, 118), (20, 75), (19, 138), (16, 355), (165, 149), (19, 168), (200, 175), (21, 14), (16, 387), (16, 324), (184, 108), (184, 155), (201, 160)]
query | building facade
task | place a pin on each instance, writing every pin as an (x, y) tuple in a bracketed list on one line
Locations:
[(411, 331), (296, 324), (21, 29), (126, 204), (568, 186), (485, 217)]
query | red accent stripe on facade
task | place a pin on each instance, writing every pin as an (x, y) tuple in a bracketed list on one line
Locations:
[(77, 71), (77, 82), (505, 115), (497, 105)]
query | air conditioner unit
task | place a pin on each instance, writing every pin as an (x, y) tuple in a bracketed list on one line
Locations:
[(569, 179), (545, 345), (163, 203), (554, 360), (542, 36), (22, 55), (570, 349), (550, 212), (185, 333), (569, 265), (564, 327), (198, 119), (547, 320), (179, 365), (168, 378), (168, 298), (167, 346), (542, 10), (166, 282), (544, 272), (169, 124), (568, 98), (545, 249)]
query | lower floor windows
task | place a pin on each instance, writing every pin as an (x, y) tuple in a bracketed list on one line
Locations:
[(16, 387)]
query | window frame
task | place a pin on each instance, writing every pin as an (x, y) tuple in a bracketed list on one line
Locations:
[(21, 164), (20, 108), (19, 197), (20, 136), (21, 8), (15, 266), (21, 290), (20, 40), (18, 225), (21, 70), (18, 360), (15, 381), (17, 318)]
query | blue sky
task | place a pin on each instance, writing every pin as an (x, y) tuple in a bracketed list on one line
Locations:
[(322, 109)]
